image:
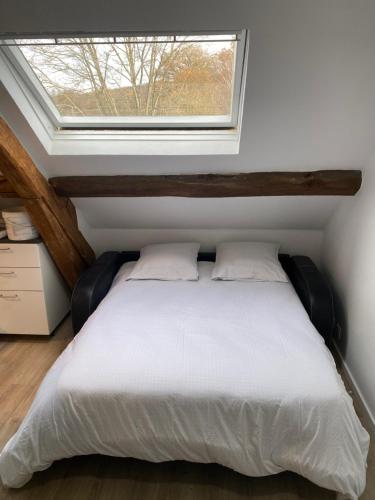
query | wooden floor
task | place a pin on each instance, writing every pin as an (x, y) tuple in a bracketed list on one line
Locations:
[(23, 363)]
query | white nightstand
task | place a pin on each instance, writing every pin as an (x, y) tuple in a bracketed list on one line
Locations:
[(33, 296)]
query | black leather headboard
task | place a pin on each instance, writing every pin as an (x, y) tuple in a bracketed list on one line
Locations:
[(310, 285)]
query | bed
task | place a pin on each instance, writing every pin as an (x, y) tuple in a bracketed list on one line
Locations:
[(234, 373)]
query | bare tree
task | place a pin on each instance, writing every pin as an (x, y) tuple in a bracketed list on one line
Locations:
[(134, 76)]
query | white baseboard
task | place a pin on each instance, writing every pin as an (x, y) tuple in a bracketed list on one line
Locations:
[(358, 391)]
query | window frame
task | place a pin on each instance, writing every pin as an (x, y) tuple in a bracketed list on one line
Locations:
[(140, 123)]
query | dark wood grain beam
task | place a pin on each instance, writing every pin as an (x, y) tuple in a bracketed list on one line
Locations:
[(53, 216), (315, 183), (6, 190)]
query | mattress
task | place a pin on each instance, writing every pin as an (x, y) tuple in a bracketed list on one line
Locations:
[(207, 371)]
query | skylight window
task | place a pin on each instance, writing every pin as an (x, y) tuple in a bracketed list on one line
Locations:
[(144, 81)]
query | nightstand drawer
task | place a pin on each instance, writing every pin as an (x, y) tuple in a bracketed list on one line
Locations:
[(23, 313), (19, 255), (21, 278)]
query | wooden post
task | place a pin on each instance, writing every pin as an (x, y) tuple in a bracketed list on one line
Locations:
[(6, 190), (53, 216)]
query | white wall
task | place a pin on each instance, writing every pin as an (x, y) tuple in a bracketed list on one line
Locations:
[(308, 105), (349, 259), (309, 95), (129, 223)]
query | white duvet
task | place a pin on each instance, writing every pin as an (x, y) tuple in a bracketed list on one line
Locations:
[(206, 371)]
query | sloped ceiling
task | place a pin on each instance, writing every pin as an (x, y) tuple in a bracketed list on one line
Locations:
[(183, 213), (310, 103)]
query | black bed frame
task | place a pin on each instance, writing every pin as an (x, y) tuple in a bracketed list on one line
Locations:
[(310, 285)]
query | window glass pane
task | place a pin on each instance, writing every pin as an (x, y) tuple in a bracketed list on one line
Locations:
[(137, 76)]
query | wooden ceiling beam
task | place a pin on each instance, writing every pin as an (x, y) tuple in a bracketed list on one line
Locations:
[(54, 217), (315, 183), (6, 190)]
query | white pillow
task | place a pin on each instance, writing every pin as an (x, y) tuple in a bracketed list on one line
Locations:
[(167, 261), (252, 261)]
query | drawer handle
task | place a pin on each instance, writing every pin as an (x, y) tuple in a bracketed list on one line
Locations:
[(15, 296), (5, 249), (8, 274)]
